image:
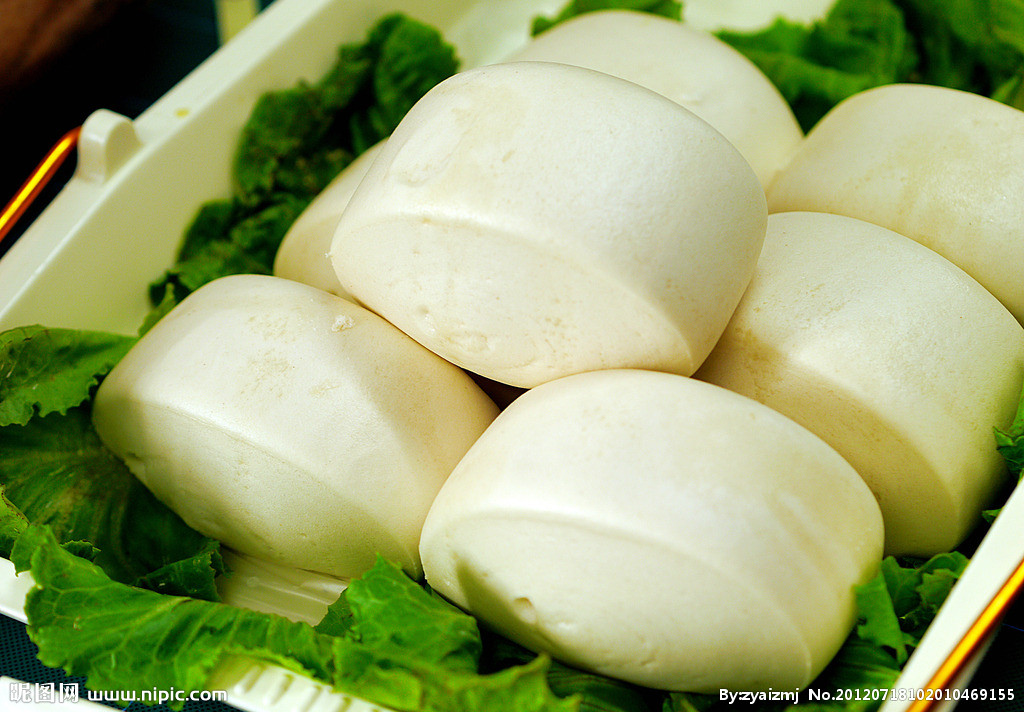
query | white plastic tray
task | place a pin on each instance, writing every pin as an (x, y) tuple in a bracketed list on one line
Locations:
[(120, 220)]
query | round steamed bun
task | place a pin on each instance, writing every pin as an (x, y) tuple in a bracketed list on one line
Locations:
[(892, 355), (657, 529), (530, 220), (290, 424), (692, 68), (941, 166)]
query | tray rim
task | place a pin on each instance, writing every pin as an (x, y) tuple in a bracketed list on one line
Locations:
[(112, 149)]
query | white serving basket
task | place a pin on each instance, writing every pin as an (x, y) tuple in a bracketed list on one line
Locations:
[(116, 226)]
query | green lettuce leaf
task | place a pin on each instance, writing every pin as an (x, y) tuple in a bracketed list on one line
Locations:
[(297, 140), (126, 638), (405, 620), (899, 603), (688, 702), (163, 304), (12, 523), (56, 472), (285, 146), (880, 625), (859, 665), (227, 238), (919, 589), (666, 8), (596, 693), (132, 639), (339, 619), (895, 608), (1010, 443), (408, 59), (860, 44), (972, 45), (46, 370)]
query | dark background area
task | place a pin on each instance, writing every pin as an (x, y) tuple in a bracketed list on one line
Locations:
[(124, 66)]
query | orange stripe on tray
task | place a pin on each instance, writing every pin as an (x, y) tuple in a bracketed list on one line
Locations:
[(970, 643), (38, 180)]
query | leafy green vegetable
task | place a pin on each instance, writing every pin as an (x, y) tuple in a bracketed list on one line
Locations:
[(297, 140), (50, 370), (12, 523), (228, 238), (284, 146), (881, 625), (56, 471), (126, 638), (133, 639), (408, 59), (595, 692), (1010, 444), (895, 608), (339, 619), (973, 45), (666, 8), (923, 588), (164, 304), (859, 665), (859, 45), (687, 702), (395, 616)]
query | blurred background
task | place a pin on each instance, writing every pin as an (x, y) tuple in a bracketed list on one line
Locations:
[(60, 60)]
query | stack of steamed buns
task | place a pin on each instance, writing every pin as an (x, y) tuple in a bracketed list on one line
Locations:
[(752, 362)]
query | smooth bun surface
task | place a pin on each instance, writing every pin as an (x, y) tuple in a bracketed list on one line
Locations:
[(657, 529), (892, 355), (304, 253), (941, 166), (530, 220), (692, 68), (290, 424)]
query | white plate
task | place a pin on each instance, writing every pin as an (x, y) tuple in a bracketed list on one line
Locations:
[(120, 220)]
